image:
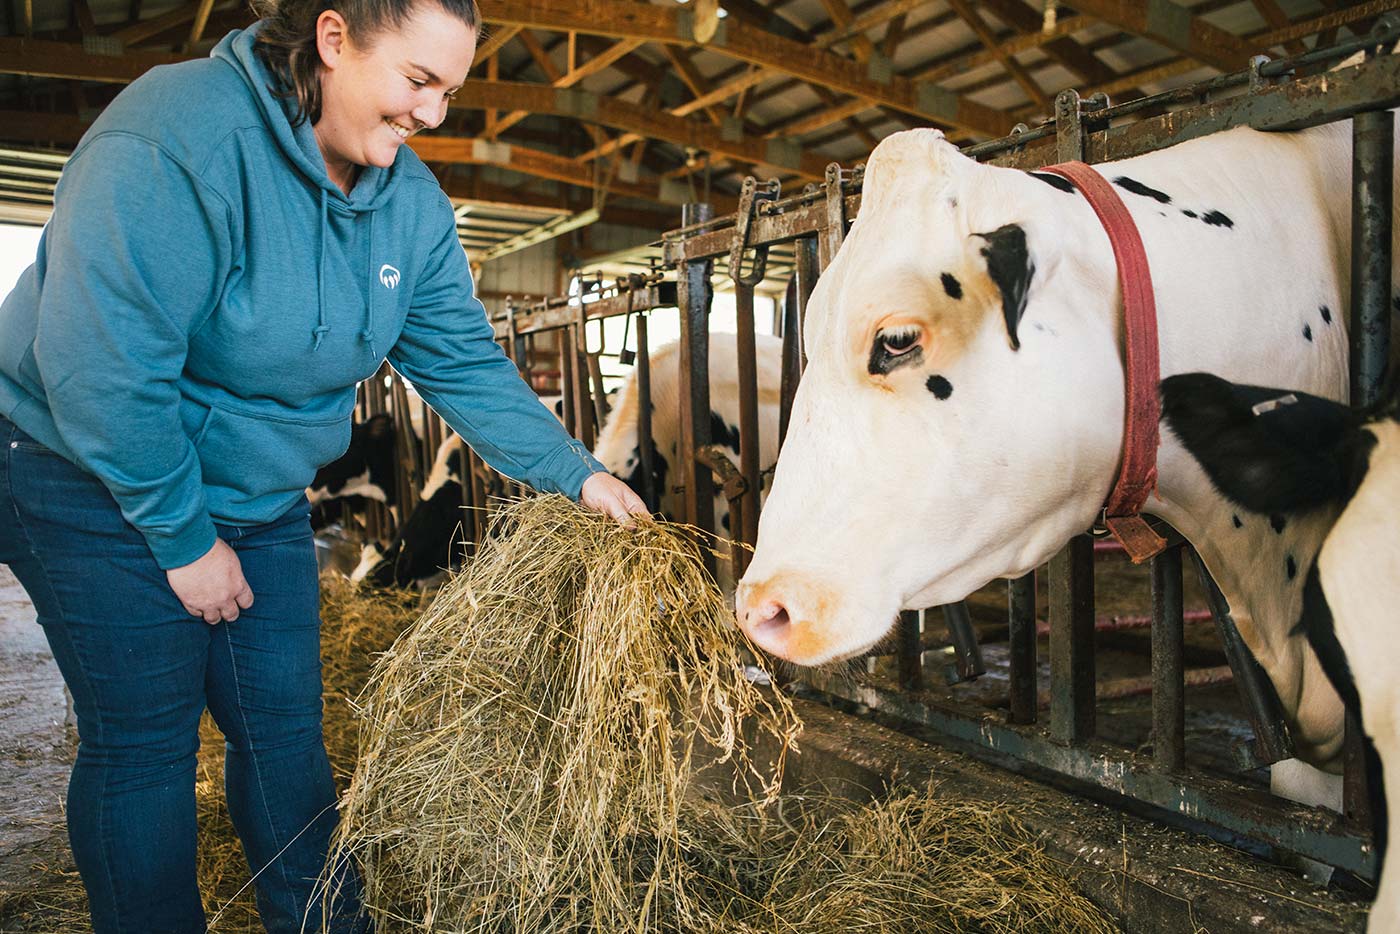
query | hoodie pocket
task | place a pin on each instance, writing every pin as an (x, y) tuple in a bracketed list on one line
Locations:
[(256, 455)]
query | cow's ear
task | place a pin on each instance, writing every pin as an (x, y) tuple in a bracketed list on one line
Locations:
[(1010, 267)]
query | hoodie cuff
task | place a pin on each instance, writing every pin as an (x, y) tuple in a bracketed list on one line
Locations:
[(184, 547), (568, 467)]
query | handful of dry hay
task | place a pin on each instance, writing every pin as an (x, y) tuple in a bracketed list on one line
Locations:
[(526, 746)]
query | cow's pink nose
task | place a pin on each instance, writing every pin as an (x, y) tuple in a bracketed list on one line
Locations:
[(768, 624)]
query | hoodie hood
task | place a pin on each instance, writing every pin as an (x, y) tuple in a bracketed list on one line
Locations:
[(298, 142), (374, 186)]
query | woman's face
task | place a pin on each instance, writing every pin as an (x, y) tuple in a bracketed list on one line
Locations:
[(377, 94)]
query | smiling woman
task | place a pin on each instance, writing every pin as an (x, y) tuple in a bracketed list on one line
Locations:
[(235, 243), (375, 87)]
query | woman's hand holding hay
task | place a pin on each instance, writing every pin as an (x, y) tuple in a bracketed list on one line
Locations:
[(604, 493)]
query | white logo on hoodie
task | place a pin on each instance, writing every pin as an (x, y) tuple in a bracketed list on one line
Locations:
[(389, 276)]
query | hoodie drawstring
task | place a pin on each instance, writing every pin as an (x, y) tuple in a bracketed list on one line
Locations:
[(322, 328), (368, 332)]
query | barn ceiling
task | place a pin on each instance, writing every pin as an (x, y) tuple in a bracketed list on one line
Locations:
[(620, 107)]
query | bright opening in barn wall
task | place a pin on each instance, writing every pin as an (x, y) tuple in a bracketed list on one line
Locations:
[(18, 245)]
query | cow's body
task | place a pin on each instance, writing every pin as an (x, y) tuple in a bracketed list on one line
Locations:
[(425, 543), (978, 450), (368, 470), (1290, 455)]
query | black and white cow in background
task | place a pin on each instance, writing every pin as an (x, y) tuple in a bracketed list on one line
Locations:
[(367, 470), (1283, 455), (961, 416), (426, 542)]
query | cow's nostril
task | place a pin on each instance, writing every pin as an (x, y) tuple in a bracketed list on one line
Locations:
[(770, 617)]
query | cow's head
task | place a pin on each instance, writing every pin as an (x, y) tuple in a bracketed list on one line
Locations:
[(961, 414)]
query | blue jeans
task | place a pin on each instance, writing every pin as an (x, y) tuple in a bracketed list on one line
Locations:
[(142, 671)]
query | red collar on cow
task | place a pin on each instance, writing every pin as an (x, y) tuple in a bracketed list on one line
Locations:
[(1138, 476)]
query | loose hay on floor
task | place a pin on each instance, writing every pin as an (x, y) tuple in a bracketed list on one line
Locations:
[(525, 765)]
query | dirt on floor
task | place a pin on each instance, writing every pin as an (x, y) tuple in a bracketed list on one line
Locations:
[(36, 750)]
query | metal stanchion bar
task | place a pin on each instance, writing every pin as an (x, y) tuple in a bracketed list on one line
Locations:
[(748, 417), (567, 358), (1072, 708), (967, 655), (1168, 645), (694, 294), (911, 650), (1021, 639), (646, 446)]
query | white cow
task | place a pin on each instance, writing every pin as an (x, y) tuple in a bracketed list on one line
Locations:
[(617, 447), (1284, 455), (961, 417)]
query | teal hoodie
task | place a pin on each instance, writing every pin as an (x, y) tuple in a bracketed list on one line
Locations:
[(204, 300)]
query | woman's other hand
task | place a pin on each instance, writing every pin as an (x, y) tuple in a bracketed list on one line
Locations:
[(605, 493), (212, 587)]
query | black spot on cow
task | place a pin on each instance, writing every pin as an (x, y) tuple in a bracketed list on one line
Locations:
[(1326, 314), (1138, 188), (1055, 181), (1009, 265), (1278, 522), (721, 432), (1188, 213), (940, 387), (1236, 519), (1217, 219), (1291, 566), (1307, 332), (951, 285)]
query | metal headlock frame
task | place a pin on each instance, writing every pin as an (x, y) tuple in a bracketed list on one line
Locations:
[(1267, 96)]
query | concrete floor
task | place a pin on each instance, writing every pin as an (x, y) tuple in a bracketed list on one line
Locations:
[(36, 747)]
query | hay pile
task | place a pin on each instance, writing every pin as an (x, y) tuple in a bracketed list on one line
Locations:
[(526, 765), (526, 747)]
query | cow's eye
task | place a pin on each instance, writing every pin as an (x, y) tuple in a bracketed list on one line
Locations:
[(900, 341)]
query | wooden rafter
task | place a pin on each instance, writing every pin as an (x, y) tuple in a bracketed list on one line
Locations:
[(989, 39), (1173, 26), (494, 42), (567, 79), (1277, 19), (201, 19), (861, 46), (144, 29), (747, 43), (467, 151), (1019, 15), (691, 78)]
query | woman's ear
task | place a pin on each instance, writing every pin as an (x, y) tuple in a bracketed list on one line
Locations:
[(331, 37)]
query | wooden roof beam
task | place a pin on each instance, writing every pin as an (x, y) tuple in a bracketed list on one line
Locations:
[(468, 151), (1277, 19), (494, 42), (1019, 16), (567, 79), (1173, 26), (691, 78), (989, 39), (746, 42), (644, 122)]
